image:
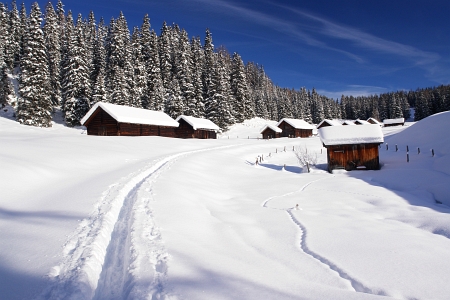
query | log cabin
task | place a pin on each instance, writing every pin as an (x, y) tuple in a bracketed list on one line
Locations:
[(394, 122), (352, 147), (270, 132), (113, 120), (327, 122), (374, 121), (191, 127), (295, 128), (348, 122)]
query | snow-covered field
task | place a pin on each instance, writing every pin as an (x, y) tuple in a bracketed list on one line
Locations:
[(86, 217)]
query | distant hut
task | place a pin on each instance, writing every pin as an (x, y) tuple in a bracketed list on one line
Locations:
[(295, 128), (191, 127), (112, 119), (394, 122), (348, 122), (327, 122), (352, 147), (270, 132), (374, 121), (361, 122)]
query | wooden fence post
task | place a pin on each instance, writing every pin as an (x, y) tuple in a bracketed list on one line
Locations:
[(396, 148), (387, 147), (418, 150), (432, 152), (407, 148), (407, 157)]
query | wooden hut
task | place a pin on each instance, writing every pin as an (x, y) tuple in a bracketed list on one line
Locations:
[(374, 121), (394, 122), (327, 122), (191, 127), (295, 128), (352, 147), (361, 122), (270, 132), (112, 119)]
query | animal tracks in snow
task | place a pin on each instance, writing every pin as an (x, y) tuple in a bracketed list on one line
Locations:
[(356, 285)]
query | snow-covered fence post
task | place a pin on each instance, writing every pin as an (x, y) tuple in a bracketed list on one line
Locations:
[(407, 156), (321, 150), (276, 150), (432, 152), (284, 148), (293, 148), (262, 157), (407, 148), (256, 163)]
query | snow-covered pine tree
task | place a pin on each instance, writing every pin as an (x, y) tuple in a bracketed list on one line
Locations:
[(22, 27), (183, 73), (208, 67), (3, 56), (53, 45), (243, 108), (165, 55), (422, 108), (12, 32), (155, 83), (75, 82), (304, 97), (197, 70), (139, 82), (175, 101), (97, 74), (35, 107)]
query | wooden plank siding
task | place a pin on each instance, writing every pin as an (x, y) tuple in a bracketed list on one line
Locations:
[(186, 131), (101, 123), (270, 134), (352, 157)]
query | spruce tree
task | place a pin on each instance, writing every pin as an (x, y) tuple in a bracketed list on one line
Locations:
[(97, 74), (197, 70), (243, 108), (183, 72), (139, 82), (53, 45), (155, 82), (35, 107)]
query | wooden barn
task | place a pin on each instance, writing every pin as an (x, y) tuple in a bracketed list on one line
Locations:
[(191, 127), (394, 122), (352, 147), (361, 122), (327, 122), (374, 121), (270, 132), (112, 119), (295, 128)]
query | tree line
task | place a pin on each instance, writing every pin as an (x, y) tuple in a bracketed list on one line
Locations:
[(53, 60)]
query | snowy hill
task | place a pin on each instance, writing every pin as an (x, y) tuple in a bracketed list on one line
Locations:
[(87, 217)]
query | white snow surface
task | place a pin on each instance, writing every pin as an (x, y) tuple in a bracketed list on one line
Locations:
[(393, 121), (198, 123), (133, 115), (88, 217), (329, 122), (349, 135), (274, 128), (296, 123)]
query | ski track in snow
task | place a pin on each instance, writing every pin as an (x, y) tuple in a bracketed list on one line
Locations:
[(356, 285), (117, 253)]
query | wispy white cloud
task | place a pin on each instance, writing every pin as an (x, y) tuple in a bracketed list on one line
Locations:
[(354, 90)]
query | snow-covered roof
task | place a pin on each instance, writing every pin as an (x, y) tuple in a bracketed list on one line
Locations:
[(133, 115), (394, 121), (361, 122), (349, 135), (274, 128), (329, 122), (297, 124), (374, 121), (198, 123), (348, 122)]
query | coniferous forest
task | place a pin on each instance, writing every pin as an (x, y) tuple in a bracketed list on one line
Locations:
[(52, 59)]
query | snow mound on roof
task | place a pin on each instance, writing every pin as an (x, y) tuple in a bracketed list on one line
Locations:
[(198, 123), (394, 121), (273, 127), (297, 123), (133, 115), (349, 135)]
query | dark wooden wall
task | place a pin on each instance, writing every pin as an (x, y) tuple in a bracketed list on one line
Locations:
[(270, 134), (394, 124), (352, 157), (101, 123)]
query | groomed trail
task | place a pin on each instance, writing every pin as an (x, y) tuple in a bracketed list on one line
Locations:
[(117, 253)]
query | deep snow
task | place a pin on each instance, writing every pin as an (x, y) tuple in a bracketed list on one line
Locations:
[(85, 217)]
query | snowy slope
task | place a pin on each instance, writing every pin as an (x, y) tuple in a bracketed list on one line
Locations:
[(87, 217)]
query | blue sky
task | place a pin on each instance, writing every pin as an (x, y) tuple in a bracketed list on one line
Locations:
[(349, 47)]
